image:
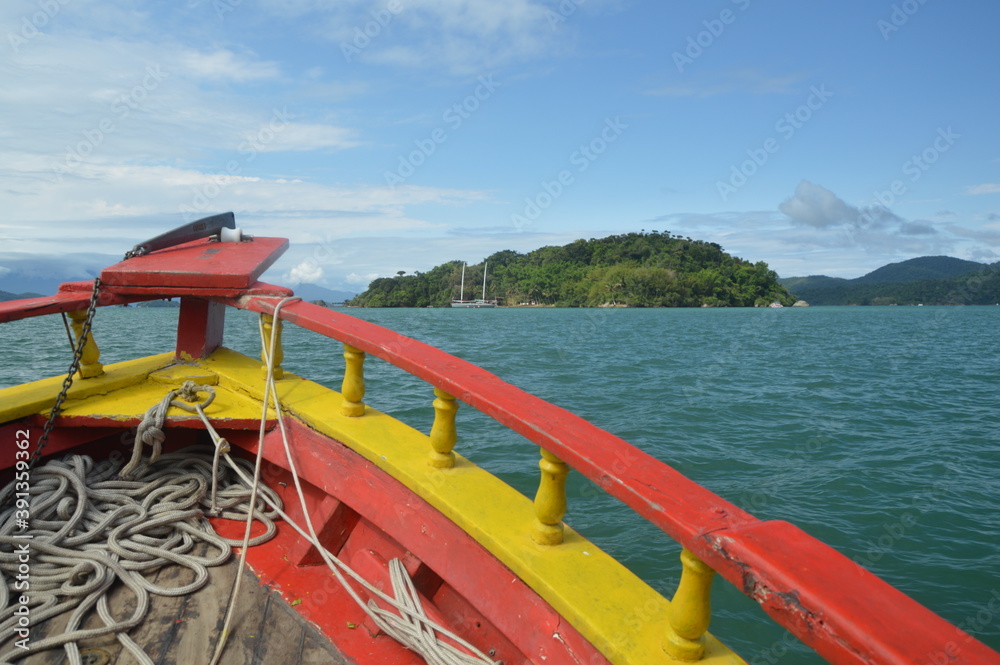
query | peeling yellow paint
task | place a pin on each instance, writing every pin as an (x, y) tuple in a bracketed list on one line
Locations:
[(176, 375), (37, 396)]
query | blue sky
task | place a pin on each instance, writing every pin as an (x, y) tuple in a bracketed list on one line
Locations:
[(384, 135)]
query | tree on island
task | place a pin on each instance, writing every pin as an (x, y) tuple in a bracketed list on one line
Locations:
[(654, 269)]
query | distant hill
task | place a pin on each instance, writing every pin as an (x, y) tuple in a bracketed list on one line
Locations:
[(925, 280), (811, 282), (316, 292), (5, 296), (924, 267), (630, 270), (159, 304), (16, 283)]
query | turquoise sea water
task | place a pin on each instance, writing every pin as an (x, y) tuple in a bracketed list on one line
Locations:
[(876, 430)]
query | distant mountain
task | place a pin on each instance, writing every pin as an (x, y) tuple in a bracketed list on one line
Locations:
[(158, 304), (811, 282), (924, 267), (5, 296), (316, 292), (15, 283), (925, 280), (44, 274)]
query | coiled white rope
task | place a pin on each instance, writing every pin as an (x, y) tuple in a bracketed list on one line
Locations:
[(90, 530)]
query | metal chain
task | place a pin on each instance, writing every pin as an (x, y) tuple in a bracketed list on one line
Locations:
[(68, 381)]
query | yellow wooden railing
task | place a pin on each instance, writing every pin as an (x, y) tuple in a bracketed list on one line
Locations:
[(90, 360), (690, 610)]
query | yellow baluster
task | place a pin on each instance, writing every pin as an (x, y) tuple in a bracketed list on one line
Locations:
[(353, 387), (690, 610), (550, 501), (272, 327), (90, 364), (443, 433)]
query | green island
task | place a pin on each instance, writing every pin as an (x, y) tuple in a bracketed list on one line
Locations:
[(654, 269)]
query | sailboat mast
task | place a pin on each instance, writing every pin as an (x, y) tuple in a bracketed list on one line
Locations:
[(461, 292), (484, 280)]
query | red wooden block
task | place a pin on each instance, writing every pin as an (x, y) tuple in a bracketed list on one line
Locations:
[(199, 328), (199, 264), (333, 521)]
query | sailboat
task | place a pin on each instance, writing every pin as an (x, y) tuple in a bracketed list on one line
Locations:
[(478, 302)]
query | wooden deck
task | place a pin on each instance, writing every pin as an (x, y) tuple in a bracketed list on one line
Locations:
[(183, 630)]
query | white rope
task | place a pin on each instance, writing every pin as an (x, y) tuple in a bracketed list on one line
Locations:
[(339, 569), (406, 622), (90, 530), (268, 387)]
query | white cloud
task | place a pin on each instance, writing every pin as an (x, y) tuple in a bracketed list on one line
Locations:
[(834, 226), (91, 193), (306, 272), (301, 137), (224, 65), (78, 99), (815, 231), (986, 235), (917, 228), (986, 188), (355, 278), (462, 36), (107, 141), (816, 206)]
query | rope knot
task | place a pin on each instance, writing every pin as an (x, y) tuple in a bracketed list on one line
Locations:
[(151, 435), (189, 391), (150, 430)]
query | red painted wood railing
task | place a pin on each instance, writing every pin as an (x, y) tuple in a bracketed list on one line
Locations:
[(841, 610)]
